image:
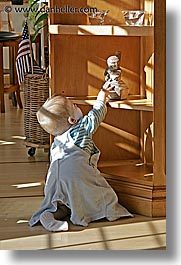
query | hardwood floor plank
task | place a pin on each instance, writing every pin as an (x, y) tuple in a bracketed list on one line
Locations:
[(19, 207), (16, 154), (20, 235), (139, 243), (12, 146), (98, 235), (22, 179)]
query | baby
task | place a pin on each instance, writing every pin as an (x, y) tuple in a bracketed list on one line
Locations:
[(74, 186)]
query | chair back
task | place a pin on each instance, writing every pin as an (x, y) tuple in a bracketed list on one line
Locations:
[(6, 23)]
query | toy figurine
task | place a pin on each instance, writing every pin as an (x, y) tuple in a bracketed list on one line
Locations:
[(113, 76)]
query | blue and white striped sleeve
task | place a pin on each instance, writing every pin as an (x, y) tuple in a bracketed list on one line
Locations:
[(82, 132), (95, 116)]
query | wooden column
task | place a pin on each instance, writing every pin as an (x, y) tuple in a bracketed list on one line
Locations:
[(160, 94)]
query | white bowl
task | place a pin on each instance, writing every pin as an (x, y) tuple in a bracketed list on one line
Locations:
[(97, 18), (133, 17)]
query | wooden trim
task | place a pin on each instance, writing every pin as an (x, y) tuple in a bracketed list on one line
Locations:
[(107, 30), (1, 80), (139, 198)]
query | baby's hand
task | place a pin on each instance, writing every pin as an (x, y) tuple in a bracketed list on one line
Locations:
[(105, 91), (107, 88)]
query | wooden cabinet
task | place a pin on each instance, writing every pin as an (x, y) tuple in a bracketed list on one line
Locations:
[(132, 137)]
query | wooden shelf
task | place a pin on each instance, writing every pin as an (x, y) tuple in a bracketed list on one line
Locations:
[(105, 30), (133, 128), (134, 102), (130, 171), (133, 182)]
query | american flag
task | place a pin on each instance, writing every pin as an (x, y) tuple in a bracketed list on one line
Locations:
[(36, 68), (23, 62)]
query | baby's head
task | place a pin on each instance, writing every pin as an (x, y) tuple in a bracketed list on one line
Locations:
[(57, 115)]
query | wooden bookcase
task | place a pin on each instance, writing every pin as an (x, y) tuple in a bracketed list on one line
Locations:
[(132, 137)]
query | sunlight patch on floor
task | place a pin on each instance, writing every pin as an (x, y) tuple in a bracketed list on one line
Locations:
[(22, 221), (6, 142), (18, 137), (27, 185)]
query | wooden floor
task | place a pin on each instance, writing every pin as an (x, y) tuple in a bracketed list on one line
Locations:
[(21, 192)]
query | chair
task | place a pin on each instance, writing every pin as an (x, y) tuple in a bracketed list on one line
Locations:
[(11, 40)]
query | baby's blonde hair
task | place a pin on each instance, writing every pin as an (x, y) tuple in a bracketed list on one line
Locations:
[(53, 115)]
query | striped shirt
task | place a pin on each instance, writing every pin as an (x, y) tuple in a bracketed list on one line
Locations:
[(82, 132)]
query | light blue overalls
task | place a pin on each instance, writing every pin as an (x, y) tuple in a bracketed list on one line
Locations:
[(74, 180)]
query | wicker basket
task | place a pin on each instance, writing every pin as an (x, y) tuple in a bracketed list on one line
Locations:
[(36, 92)]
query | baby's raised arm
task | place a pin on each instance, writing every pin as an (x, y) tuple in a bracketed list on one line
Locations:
[(97, 114)]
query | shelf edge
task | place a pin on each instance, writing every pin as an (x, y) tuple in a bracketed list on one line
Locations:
[(140, 105), (104, 30)]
